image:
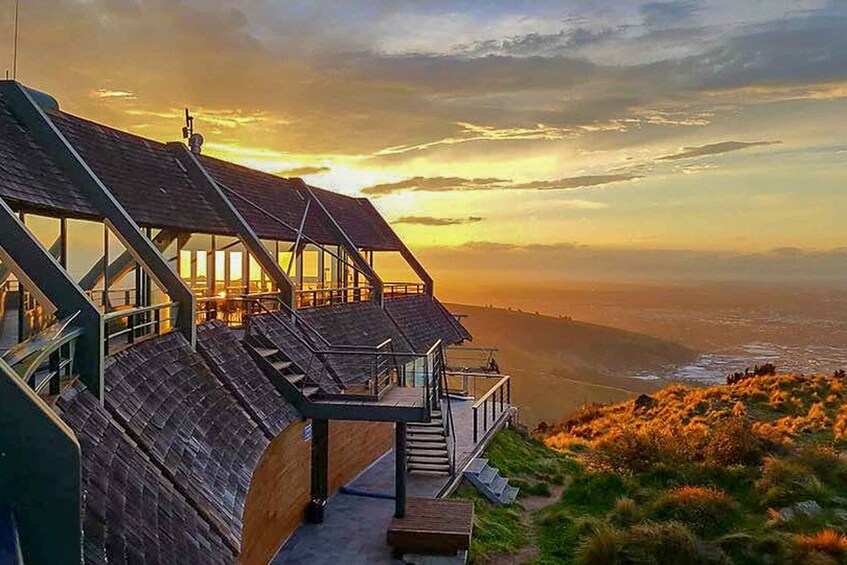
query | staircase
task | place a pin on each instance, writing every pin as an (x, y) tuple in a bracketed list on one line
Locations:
[(488, 481), (426, 447), (291, 382)]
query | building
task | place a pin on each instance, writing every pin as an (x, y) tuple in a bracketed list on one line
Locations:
[(200, 383)]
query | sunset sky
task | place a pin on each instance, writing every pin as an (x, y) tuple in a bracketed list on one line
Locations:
[(617, 133)]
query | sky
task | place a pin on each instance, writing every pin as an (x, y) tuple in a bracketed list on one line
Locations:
[(582, 138)]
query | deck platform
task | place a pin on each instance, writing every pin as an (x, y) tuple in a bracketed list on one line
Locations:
[(398, 404), (433, 526)]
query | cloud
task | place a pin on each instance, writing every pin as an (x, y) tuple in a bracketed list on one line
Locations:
[(302, 171), (106, 93), (432, 221), (432, 184), (668, 14), (458, 184), (714, 149)]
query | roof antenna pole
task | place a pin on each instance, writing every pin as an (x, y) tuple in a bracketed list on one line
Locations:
[(15, 44), (195, 140)]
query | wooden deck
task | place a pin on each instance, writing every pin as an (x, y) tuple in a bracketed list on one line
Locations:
[(399, 404), (433, 526)]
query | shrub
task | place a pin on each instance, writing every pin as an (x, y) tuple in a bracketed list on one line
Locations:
[(790, 479), (667, 543), (827, 541), (595, 492), (733, 443), (626, 512), (601, 547), (706, 510), (823, 462)]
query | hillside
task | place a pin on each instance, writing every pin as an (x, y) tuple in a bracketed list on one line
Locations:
[(559, 364), (752, 472)]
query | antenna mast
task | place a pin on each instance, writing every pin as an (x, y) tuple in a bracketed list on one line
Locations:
[(15, 44)]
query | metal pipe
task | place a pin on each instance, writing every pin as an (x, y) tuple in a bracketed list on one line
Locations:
[(400, 470)]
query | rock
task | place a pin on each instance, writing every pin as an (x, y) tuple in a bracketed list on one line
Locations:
[(808, 508), (841, 514), (839, 500), (786, 514), (645, 402)]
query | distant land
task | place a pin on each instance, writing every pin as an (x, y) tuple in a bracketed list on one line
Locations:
[(559, 364)]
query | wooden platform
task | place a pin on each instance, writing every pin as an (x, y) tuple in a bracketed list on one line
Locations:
[(433, 526)]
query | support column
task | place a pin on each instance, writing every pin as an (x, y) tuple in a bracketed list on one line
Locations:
[(320, 468), (400, 470)]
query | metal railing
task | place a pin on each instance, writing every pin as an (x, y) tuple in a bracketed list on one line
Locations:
[(396, 289), (125, 327), (449, 425), (43, 360), (503, 388), (113, 297), (472, 359), (317, 297)]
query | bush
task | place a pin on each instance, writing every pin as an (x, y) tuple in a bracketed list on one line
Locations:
[(788, 480), (733, 442), (706, 510), (601, 547), (823, 462), (595, 492), (638, 451), (828, 542), (626, 512), (667, 543)]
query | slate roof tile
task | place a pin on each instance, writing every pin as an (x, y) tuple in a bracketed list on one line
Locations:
[(209, 443), (131, 512), (424, 321), (142, 175), (28, 176)]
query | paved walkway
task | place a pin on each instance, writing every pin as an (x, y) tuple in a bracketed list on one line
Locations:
[(355, 526)]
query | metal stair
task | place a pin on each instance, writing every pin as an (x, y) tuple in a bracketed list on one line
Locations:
[(292, 382), (489, 482), (426, 447)]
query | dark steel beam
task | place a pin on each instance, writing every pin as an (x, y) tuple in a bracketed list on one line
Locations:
[(201, 178), (55, 290), (400, 470), (124, 263), (406, 253), (320, 459), (358, 259), (40, 127)]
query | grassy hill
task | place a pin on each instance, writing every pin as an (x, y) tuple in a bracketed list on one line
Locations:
[(752, 472), (559, 364)]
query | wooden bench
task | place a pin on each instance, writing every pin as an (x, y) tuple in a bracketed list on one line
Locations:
[(433, 526)]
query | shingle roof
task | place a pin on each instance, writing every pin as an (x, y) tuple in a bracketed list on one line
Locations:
[(167, 397), (236, 369), (360, 323), (143, 176), (424, 320), (131, 513), (28, 176), (359, 220), (276, 195)]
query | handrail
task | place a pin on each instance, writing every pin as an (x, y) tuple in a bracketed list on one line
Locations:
[(26, 358), (504, 386), (133, 327), (135, 311)]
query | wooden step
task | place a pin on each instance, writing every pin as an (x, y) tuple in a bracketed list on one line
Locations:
[(433, 467), (427, 459), (265, 351), (426, 445), (294, 378), (309, 391), (281, 365), (426, 451), (439, 431), (439, 425)]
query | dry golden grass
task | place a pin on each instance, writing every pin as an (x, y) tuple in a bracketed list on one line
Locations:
[(826, 541), (722, 425)]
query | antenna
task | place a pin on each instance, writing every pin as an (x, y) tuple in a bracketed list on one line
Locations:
[(195, 140), (15, 43)]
